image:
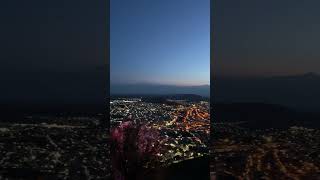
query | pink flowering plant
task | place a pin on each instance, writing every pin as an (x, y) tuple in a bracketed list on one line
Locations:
[(134, 147)]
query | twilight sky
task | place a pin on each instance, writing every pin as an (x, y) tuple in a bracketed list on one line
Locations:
[(266, 38), (160, 42)]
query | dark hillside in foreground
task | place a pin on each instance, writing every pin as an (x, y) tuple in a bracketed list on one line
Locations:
[(187, 170)]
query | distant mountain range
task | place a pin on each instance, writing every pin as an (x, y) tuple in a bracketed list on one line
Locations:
[(264, 116), (84, 86), (301, 92), (154, 89)]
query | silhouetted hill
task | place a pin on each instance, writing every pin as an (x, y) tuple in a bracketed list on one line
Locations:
[(18, 112), (298, 91), (153, 89), (260, 115), (86, 86)]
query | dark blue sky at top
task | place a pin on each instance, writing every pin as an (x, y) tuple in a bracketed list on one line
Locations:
[(160, 41), (52, 35), (53, 51), (265, 38)]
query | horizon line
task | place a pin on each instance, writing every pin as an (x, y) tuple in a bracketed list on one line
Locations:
[(160, 84)]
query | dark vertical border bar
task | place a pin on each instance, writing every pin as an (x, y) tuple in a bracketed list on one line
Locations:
[(211, 53), (211, 56), (107, 57), (212, 115), (107, 86)]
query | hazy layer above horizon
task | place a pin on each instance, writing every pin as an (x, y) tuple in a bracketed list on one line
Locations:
[(156, 89)]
